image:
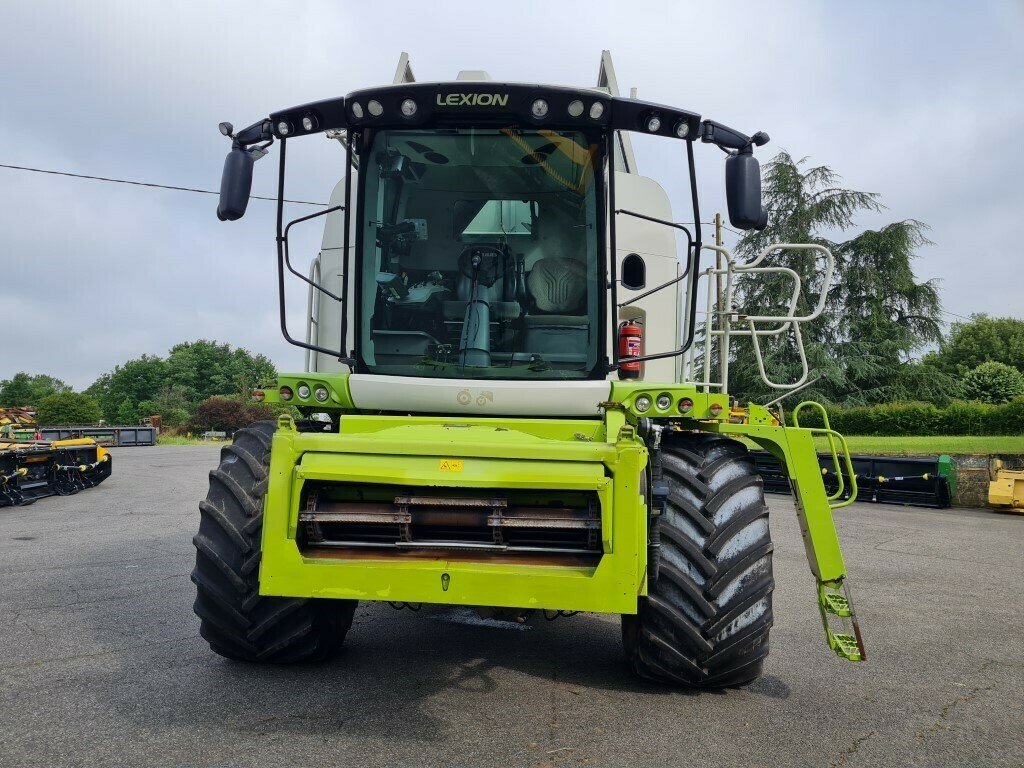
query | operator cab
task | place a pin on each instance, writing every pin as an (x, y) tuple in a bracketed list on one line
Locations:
[(479, 253), (476, 237)]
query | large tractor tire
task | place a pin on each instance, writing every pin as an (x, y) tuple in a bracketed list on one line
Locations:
[(706, 618), (234, 619)]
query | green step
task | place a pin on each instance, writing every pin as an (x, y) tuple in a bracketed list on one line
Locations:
[(845, 645), (835, 603)]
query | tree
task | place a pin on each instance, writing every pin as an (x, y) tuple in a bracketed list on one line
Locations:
[(23, 389), (876, 313), (66, 409), (134, 381), (126, 412), (979, 340), (201, 369), (227, 414), (993, 382), (192, 372)]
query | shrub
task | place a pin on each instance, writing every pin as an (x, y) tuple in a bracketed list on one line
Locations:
[(68, 408), (895, 419), (227, 414), (993, 382)]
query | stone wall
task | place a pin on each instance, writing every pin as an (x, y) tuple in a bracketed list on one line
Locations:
[(973, 472)]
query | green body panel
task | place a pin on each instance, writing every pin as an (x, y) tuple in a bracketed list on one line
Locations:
[(947, 470), (494, 453), (603, 455)]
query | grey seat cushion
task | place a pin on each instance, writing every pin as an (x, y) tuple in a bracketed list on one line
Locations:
[(557, 285)]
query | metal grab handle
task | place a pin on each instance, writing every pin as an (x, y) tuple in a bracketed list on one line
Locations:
[(804, 368), (785, 324), (833, 499), (830, 265), (312, 308)]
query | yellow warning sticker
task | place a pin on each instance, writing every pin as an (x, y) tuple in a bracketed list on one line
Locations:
[(451, 465)]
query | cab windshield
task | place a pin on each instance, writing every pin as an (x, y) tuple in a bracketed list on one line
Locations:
[(480, 254)]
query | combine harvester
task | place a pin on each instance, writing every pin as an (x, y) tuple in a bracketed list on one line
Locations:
[(501, 341)]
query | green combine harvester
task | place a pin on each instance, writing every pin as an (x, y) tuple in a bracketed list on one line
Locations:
[(508, 398)]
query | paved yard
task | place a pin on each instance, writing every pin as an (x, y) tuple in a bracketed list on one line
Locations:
[(102, 663)]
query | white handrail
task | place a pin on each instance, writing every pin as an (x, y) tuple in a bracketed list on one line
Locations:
[(723, 330), (313, 310)]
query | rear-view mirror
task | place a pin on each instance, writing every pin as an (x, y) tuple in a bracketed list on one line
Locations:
[(743, 191), (235, 184)]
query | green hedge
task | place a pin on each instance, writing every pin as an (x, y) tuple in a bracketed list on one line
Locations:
[(958, 418)]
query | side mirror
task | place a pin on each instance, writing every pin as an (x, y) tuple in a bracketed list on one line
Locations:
[(743, 191), (236, 184)]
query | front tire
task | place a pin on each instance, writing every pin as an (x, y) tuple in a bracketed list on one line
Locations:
[(234, 619), (706, 619)]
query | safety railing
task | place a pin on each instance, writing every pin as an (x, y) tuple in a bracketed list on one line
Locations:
[(312, 313), (835, 499), (723, 323)]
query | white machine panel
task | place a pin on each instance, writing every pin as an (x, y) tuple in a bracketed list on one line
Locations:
[(477, 397)]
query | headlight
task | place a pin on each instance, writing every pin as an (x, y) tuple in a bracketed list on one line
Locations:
[(283, 128), (642, 403), (309, 123), (303, 391), (682, 129), (321, 394), (408, 107), (576, 108), (596, 110), (539, 108), (285, 393), (375, 108), (258, 395), (357, 110), (716, 409), (664, 401), (654, 124), (685, 405)]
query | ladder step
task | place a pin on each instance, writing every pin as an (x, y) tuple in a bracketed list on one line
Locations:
[(836, 604), (837, 608), (845, 645)]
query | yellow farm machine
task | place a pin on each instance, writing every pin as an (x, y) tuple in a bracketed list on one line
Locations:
[(35, 469)]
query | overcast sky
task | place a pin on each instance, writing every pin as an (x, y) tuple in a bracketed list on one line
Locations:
[(920, 102)]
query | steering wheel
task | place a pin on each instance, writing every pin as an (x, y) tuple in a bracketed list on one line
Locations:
[(482, 263)]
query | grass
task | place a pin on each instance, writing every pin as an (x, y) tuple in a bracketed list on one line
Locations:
[(184, 440), (929, 446)]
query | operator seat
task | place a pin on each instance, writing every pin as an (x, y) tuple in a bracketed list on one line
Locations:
[(557, 326)]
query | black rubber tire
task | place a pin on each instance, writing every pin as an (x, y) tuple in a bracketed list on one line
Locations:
[(706, 619), (234, 619)]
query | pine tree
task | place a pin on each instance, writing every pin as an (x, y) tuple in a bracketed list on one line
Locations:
[(876, 315)]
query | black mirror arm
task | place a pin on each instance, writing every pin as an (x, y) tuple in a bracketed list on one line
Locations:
[(261, 130), (730, 140)]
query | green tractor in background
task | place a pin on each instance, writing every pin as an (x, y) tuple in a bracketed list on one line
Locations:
[(503, 403)]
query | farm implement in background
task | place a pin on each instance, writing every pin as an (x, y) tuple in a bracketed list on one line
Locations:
[(914, 481), (35, 470)]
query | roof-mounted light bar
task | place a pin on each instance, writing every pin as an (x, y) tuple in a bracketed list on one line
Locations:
[(480, 103)]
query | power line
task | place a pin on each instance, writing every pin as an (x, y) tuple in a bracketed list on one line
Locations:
[(954, 314), (143, 183)]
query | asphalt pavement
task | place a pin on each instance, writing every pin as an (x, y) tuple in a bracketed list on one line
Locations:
[(101, 663)]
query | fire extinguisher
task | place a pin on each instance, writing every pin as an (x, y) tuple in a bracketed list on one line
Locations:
[(631, 338)]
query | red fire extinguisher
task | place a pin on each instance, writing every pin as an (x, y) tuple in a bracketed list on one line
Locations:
[(631, 339)]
